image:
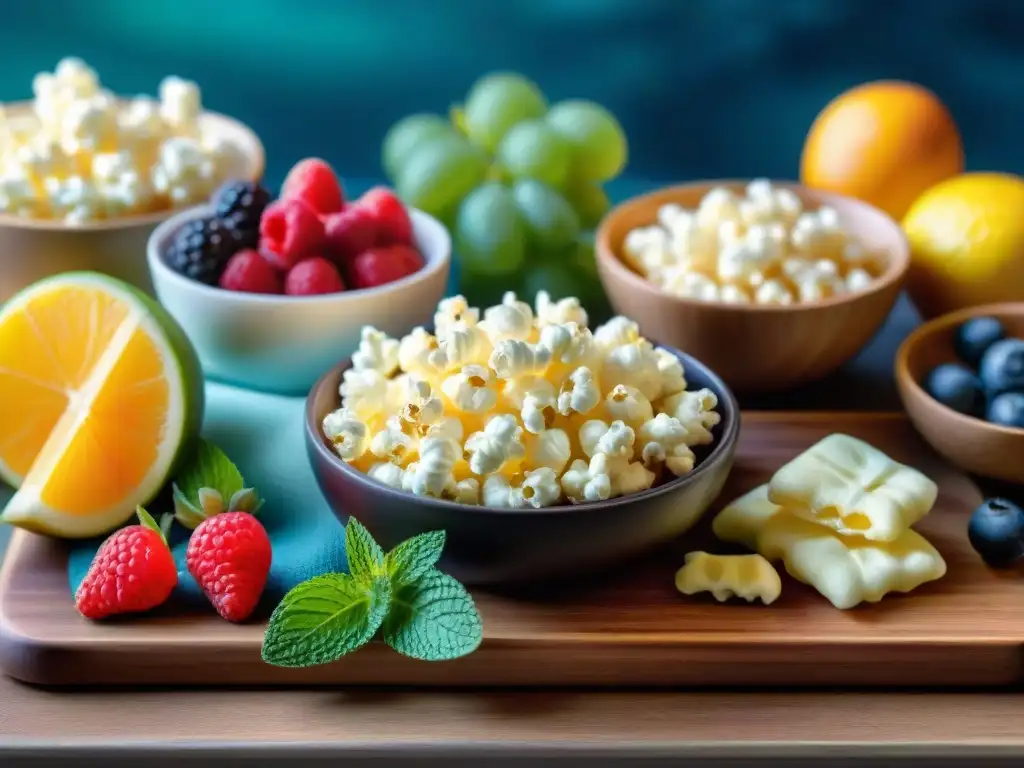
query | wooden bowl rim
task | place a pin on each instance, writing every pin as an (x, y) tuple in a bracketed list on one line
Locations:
[(251, 146), (721, 450), (937, 325), (897, 267)]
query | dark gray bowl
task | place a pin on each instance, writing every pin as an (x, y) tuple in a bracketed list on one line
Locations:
[(501, 546)]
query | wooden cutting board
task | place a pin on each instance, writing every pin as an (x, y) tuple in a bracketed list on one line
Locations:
[(629, 628)]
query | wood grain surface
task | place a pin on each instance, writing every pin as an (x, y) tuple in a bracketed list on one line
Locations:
[(630, 628)]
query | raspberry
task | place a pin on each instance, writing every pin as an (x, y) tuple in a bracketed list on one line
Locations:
[(392, 218), (201, 248), (379, 266), (313, 276), (289, 231), (229, 556), (350, 232), (315, 183), (249, 272)]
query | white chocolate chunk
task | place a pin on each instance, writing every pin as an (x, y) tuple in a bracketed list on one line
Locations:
[(747, 576), (854, 489)]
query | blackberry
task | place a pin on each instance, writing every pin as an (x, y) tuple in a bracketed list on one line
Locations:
[(201, 249), (242, 202)]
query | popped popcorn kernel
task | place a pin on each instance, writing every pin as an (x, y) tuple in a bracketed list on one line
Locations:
[(579, 394), (550, 448), (540, 488), (512, 319), (499, 443), (455, 312), (348, 434), (472, 390), (628, 404), (588, 481), (567, 310), (612, 440), (376, 351)]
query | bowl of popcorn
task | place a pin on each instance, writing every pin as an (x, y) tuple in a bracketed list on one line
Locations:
[(542, 448), (273, 292), (85, 175), (773, 285)]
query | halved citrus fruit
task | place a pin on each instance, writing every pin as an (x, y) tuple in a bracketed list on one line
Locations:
[(100, 391)]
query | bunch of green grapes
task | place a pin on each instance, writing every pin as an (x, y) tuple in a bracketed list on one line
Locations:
[(518, 183)]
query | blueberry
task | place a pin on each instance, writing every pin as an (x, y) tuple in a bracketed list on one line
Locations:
[(1002, 367), (956, 387), (995, 532), (1007, 409), (975, 336)]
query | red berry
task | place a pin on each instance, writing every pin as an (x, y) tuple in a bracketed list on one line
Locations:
[(315, 183), (229, 557), (350, 232), (386, 264), (391, 216), (133, 571), (247, 271), (289, 230), (313, 276)]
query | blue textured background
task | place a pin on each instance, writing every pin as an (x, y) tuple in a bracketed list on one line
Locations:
[(704, 88)]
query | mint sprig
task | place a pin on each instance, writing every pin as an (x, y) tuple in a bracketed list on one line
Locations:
[(209, 484), (418, 610)]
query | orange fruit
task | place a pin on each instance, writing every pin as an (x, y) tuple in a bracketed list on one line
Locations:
[(99, 393), (885, 143)]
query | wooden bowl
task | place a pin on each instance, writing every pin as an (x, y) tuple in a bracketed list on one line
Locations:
[(985, 449), (489, 546), (31, 249), (755, 348)]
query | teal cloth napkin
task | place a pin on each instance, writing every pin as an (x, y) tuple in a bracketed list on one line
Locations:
[(263, 435)]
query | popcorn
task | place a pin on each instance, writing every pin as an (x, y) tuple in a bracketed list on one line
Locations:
[(18, 195), (588, 481), (512, 319), (74, 195), (579, 394), (183, 172), (472, 390), (498, 444), (376, 352), (858, 279), (749, 247), (613, 440), (347, 433), (567, 310), (504, 414), (550, 448), (628, 404), (180, 104), (89, 125)]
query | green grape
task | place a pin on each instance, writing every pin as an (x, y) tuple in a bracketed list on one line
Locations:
[(589, 200), (440, 173), (490, 236), (406, 135), (550, 220), (497, 102), (597, 139), (532, 150)]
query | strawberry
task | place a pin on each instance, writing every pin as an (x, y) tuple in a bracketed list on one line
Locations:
[(392, 218), (379, 266), (315, 183), (248, 272), (229, 552), (311, 277), (289, 230), (133, 571), (229, 556), (350, 232)]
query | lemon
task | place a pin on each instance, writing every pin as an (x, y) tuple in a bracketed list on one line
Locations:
[(966, 239), (100, 392)]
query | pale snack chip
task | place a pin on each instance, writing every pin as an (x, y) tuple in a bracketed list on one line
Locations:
[(725, 576), (846, 570), (854, 489)]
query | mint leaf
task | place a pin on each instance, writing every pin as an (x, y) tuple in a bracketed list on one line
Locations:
[(365, 557), (433, 619), (211, 468), (322, 619), (414, 557)]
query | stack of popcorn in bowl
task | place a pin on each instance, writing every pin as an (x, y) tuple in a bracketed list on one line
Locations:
[(85, 175)]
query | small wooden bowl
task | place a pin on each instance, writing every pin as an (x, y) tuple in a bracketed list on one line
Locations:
[(31, 249), (755, 348), (985, 449)]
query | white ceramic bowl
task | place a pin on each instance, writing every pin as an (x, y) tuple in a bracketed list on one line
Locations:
[(283, 344), (31, 249)]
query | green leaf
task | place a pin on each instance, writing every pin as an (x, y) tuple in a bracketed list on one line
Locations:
[(433, 619), (211, 468), (322, 619), (365, 557), (414, 557)]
